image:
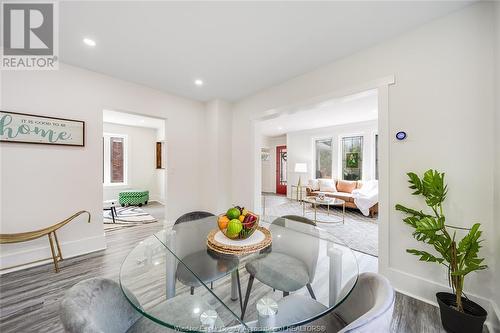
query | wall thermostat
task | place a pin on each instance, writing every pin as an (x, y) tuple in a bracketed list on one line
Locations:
[(401, 135)]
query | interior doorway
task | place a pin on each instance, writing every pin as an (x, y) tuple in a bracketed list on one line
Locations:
[(336, 143), (281, 170), (133, 170)]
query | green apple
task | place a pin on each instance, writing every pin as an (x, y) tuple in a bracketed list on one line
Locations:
[(233, 213), (233, 228)]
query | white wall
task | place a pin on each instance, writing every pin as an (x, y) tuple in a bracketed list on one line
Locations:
[(141, 161), (269, 166), (43, 184), (301, 149), (443, 98), (216, 160)]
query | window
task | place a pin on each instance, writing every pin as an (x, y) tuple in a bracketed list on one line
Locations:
[(115, 159), (324, 154), (352, 157)]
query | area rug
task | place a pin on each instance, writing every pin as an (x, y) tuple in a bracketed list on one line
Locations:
[(128, 215), (359, 232)]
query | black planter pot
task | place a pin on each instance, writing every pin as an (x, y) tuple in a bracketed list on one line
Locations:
[(454, 321)]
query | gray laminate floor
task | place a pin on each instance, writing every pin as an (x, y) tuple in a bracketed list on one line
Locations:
[(155, 209), (30, 298)]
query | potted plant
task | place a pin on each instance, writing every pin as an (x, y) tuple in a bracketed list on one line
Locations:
[(458, 313)]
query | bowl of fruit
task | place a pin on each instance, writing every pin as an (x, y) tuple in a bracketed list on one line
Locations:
[(238, 223)]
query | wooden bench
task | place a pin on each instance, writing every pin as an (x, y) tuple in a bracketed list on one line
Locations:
[(49, 232)]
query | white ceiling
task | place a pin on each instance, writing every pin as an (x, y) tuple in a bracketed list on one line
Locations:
[(237, 48), (130, 119), (349, 109)]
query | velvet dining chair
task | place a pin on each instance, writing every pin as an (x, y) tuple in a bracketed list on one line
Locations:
[(368, 308), (98, 305), (204, 263), (287, 267)]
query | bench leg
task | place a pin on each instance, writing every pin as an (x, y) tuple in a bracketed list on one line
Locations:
[(113, 213), (59, 253), (54, 258)]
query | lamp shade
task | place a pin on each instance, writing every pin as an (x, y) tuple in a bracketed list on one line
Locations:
[(301, 167)]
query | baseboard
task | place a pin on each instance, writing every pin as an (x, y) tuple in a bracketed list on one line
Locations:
[(425, 291), (160, 201), (494, 324), (41, 255)]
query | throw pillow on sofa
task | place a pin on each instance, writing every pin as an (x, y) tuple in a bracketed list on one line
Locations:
[(346, 186), (314, 184), (327, 185)]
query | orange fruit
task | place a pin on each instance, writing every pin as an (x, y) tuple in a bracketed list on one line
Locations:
[(241, 218), (223, 221)]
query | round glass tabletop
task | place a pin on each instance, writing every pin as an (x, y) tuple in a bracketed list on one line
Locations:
[(174, 280), (326, 201)]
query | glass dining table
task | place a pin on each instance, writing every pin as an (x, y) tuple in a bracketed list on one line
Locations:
[(173, 279)]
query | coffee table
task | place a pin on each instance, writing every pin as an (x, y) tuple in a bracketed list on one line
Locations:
[(315, 201)]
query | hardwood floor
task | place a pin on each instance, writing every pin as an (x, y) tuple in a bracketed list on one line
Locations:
[(30, 298)]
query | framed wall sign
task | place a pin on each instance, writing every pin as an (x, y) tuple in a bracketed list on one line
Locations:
[(29, 128)]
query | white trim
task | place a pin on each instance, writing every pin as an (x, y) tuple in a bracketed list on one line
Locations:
[(314, 139), (69, 249), (384, 179), (299, 106), (158, 201), (493, 323), (425, 290)]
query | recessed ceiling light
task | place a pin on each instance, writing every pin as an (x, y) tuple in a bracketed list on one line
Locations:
[(89, 42), (198, 82)]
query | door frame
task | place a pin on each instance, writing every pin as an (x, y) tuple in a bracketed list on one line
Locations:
[(382, 85), (164, 183)]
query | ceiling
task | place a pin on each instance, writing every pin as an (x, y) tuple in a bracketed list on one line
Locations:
[(236, 48), (349, 109), (130, 119)]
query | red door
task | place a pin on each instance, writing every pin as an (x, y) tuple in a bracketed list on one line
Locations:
[(281, 170)]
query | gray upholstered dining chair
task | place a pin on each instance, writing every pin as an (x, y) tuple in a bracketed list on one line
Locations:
[(203, 263), (299, 218), (99, 306), (191, 216), (368, 308), (287, 267)]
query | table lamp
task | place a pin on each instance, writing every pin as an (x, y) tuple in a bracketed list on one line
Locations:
[(300, 168)]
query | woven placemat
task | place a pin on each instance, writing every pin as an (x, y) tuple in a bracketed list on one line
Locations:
[(238, 250)]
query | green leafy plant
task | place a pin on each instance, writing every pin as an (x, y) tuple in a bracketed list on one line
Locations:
[(460, 258)]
